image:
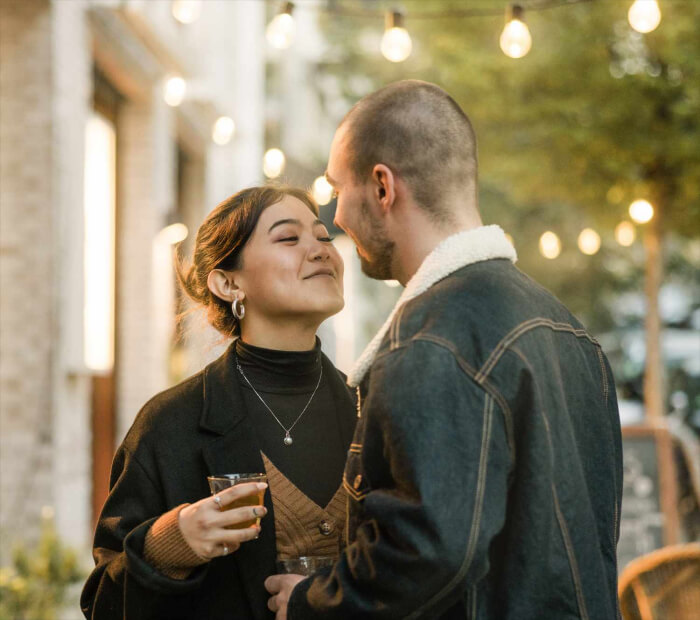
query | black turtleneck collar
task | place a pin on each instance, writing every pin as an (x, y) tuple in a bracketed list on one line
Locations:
[(271, 369)]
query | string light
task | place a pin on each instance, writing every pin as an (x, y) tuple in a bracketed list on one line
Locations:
[(186, 11), (589, 241), (174, 233), (281, 30), (550, 245), (392, 283), (515, 39), (273, 163), (644, 15), (625, 233), (322, 191), (641, 211), (223, 129), (396, 43), (174, 92)]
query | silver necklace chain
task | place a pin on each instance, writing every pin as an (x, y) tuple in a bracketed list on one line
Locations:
[(288, 441)]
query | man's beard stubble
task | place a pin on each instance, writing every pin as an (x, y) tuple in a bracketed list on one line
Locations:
[(379, 249)]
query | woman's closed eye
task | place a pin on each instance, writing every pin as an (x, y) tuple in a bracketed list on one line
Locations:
[(292, 238)]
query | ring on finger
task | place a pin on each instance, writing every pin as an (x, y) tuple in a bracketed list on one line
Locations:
[(225, 549), (217, 499)]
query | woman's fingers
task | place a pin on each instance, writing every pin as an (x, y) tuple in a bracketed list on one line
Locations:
[(228, 496), (236, 516), (236, 538)]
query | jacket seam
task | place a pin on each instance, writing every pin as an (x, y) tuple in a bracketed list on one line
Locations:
[(484, 384), (561, 522), (478, 508), (396, 329), (519, 331)]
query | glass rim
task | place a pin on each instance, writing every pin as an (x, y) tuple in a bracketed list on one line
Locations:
[(253, 476)]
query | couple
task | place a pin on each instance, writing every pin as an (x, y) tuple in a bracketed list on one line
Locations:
[(474, 469)]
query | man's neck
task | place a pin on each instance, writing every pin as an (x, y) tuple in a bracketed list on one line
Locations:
[(417, 238)]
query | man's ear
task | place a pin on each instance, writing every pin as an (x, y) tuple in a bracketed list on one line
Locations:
[(384, 187), (223, 284)]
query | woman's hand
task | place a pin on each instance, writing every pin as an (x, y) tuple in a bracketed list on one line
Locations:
[(203, 524)]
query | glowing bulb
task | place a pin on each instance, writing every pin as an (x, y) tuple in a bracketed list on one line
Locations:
[(550, 246), (644, 15), (641, 211), (273, 163), (392, 283), (625, 233), (515, 39), (281, 30), (589, 241), (186, 11), (174, 233), (396, 43), (175, 89), (322, 191), (223, 129)]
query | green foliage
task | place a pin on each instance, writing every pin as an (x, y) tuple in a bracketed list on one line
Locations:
[(592, 118), (34, 587)]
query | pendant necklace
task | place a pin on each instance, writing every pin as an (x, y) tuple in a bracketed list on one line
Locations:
[(288, 441)]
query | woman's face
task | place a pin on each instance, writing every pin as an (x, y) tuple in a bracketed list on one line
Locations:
[(290, 268)]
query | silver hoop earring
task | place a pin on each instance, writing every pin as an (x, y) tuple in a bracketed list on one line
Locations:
[(238, 308)]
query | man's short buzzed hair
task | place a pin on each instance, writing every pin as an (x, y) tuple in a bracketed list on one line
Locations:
[(421, 133)]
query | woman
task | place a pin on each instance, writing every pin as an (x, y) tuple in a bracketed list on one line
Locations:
[(266, 272)]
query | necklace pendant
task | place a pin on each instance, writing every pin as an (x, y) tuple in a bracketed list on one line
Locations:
[(288, 441)]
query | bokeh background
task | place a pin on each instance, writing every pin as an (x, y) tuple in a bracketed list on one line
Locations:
[(124, 122)]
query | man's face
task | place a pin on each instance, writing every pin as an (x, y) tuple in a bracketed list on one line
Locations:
[(354, 212)]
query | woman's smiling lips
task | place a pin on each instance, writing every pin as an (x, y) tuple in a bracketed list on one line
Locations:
[(321, 272)]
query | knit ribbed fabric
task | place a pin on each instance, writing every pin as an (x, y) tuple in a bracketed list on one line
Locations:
[(302, 527), (166, 549)]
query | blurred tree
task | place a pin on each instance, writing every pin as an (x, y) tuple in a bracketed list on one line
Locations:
[(594, 117)]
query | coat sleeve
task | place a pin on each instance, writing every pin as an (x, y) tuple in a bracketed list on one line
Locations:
[(431, 483), (123, 585)]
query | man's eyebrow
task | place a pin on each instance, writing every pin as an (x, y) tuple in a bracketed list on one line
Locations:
[(293, 221), (330, 179)]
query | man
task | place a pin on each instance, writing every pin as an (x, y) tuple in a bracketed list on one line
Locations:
[(485, 477)]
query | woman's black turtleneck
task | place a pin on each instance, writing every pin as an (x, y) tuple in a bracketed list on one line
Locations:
[(285, 380)]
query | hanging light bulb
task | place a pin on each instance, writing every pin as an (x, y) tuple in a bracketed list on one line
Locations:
[(644, 15), (515, 39), (392, 283), (223, 129), (641, 211), (174, 233), (396, 43), (589, 241), (625, 233), (550, 246), (322, 191), (281, 30), (273, 163), (186, 11), (174, 92)]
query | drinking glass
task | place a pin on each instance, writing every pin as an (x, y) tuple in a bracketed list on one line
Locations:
[(224, 481)]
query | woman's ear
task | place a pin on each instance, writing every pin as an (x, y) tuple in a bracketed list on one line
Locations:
[(222, 284)]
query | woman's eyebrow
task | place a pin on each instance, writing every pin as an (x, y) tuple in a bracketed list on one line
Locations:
[(295, 222), (281, 222)]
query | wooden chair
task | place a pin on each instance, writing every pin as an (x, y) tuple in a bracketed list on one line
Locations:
[(662, 585)]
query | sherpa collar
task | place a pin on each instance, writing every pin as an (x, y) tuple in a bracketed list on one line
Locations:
[(457, 251)]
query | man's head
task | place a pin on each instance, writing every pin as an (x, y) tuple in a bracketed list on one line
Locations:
[(409, 143)]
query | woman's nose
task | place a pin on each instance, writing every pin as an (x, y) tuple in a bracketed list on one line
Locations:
[(319, 251)]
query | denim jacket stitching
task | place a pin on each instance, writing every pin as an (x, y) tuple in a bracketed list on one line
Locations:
[(573, 564), (521, 329), (485, 384), (476, 518)]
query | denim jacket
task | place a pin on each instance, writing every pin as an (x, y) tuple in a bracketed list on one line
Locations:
[(484, 477)]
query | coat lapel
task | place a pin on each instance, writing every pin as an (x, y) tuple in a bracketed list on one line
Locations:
[(235, 448)]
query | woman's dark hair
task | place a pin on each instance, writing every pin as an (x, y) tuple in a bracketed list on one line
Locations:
[(219, 245)]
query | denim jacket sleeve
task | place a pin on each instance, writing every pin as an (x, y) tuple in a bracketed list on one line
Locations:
[(123, 584), (435, 464)]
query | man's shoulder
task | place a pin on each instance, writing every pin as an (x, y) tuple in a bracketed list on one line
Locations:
[(476, 307)]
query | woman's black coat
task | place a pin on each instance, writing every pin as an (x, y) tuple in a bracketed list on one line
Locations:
[(195, 429)]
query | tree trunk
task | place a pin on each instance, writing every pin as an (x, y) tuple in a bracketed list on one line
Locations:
[(654, 402)]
